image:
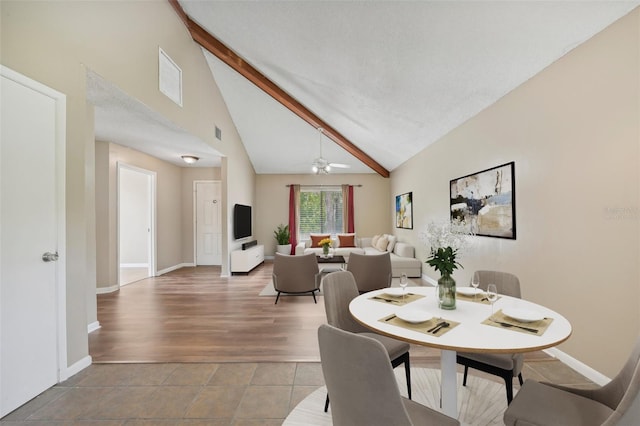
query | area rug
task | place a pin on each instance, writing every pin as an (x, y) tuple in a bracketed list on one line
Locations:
[(269, 291), (482, 402)]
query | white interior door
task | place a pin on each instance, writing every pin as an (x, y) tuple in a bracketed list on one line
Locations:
[(208, 223), (32, 336)]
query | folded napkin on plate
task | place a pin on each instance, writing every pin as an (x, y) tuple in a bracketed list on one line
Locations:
[(397, 300), (422, 327), (500, 320), (479, 298)]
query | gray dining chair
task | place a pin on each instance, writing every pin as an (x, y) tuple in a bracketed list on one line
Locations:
[(339, 289), (616, 403), (506, 366), (362, 385), (371, 272), (296, 274)]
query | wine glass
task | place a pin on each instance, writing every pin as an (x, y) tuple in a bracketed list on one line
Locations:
[(403, 283), (475, 282), (492, 295)]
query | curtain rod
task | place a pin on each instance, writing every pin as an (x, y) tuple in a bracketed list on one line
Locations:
[(338, 184)]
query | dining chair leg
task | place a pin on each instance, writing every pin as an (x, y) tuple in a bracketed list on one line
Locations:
[(464, 377), (277, 297), (520, 379), (407, 373), (313, 293), (508, 384), (326, 404)]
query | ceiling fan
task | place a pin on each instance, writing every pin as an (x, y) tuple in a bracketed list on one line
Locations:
[(321, 166)]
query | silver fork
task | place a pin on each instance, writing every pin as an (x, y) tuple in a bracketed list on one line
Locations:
[(509, 325)]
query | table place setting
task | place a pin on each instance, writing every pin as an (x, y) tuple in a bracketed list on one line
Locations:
[(425, 323), (396, 297), (523, 321), (470, 294)]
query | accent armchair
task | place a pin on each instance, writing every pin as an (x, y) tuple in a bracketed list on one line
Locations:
[(296, 274)]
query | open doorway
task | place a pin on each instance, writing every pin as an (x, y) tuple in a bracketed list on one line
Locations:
[(136, 224)]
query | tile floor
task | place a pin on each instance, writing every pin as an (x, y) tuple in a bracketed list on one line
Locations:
[(234, 394)]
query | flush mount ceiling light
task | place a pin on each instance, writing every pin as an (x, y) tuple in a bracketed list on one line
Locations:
[(322, 166), (190, 159)]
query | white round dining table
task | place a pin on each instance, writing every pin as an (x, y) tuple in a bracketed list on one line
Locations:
[(470, 335)]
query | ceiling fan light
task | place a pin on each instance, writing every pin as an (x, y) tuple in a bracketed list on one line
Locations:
[(190, 159), (327, 168), (314, 169)]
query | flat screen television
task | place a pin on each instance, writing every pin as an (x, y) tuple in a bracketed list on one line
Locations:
[(241, 221)]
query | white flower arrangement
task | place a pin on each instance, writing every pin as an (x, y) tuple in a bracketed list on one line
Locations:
[(446, 240), (452, 234)]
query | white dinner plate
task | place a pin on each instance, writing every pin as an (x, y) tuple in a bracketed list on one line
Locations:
[(394, 291), (414, 316), (522, 315), (469, 291)]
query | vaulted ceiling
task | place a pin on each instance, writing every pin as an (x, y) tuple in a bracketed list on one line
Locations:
[(391, 76)]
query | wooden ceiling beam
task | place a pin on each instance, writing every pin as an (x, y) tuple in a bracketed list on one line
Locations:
[(229, 57)]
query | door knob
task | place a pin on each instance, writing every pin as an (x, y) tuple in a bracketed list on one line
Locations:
[(50, 257)]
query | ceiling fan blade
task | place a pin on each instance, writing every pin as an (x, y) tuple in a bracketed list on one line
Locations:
[(340, 166)]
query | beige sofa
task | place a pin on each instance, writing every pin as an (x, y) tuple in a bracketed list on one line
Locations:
[(402, 254)]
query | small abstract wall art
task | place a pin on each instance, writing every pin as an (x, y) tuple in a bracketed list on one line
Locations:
[(486, 201), (404, 211)]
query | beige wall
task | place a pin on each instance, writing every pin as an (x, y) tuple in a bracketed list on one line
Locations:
[(371, 201), (56, 43), (174, 208), (573, 132)]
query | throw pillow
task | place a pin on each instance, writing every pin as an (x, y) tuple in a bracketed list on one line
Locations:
[(374, 240), (383, 242), (315, 239), (347, 240), (392, 242)]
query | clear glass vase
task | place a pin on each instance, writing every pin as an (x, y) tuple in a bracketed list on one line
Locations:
[(325, 250), (447, 291)]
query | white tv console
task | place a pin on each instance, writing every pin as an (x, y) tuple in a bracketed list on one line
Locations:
[(243, 261)]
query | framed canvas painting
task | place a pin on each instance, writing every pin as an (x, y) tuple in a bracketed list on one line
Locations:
[(486, 201), (404, 211)]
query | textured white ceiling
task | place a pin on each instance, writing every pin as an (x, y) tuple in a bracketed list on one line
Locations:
[(126, 121), (392, 76)]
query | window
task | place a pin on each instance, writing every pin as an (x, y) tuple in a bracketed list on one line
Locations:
[(320, 211)]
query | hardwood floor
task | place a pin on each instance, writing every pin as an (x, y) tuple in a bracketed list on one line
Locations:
[(194, 315), (194, 348)]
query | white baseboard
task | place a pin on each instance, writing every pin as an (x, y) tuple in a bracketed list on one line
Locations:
[(74, 369), (93, 326), (578, 366), (134, 265), (175, 267), (104, 290), (430, 280)]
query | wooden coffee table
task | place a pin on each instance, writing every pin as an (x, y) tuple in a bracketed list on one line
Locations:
[(333, 259)]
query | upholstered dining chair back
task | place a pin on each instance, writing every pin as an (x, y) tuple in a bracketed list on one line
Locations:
[(339, 289), (363, 388), (506, 283), (616, 403), (506, 366), (371, 272), (296, 274)]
